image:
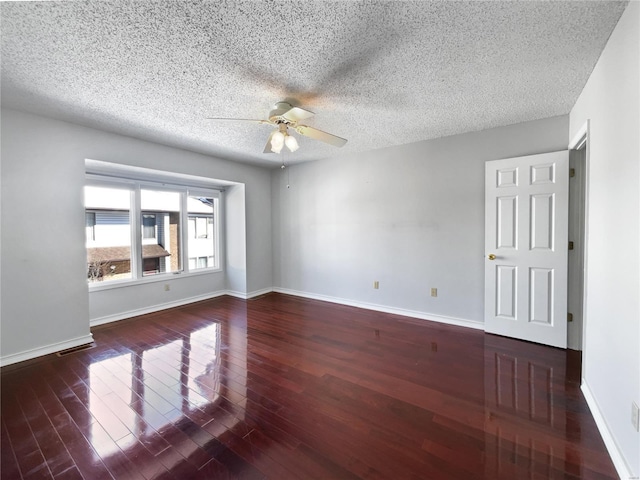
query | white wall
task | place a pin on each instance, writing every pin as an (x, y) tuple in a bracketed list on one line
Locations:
[(611, 102), (235, 236), (411, 217), (45, 301)]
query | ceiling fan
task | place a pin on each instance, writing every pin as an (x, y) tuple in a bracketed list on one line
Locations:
[(285, 116)]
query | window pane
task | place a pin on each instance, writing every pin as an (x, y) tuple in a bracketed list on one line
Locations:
[(108, 233), (160, 232), (201, 211), (148, 226)]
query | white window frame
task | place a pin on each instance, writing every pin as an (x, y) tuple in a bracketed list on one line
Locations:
[(199, 192), (135, 219)]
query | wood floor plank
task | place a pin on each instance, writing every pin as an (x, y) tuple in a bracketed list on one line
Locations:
[(282, 387), (86, 459), (8, 460), (30, 458)]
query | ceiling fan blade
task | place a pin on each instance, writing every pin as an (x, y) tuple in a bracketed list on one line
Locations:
[(320, 135), (238, 119), (267, 147), (295, 114)]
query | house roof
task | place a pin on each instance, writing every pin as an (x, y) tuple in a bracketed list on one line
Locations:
[(379, 73), (118, 254)]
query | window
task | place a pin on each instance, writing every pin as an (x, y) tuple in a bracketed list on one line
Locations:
[(135, 229), (202, 241), (202, 227), (161, 240), (108, 232), (148, 226)]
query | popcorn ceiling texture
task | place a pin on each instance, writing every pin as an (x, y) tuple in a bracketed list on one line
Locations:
[(377, 73)]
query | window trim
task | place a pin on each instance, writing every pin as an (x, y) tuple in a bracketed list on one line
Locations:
[(135, 218), (217, 226)]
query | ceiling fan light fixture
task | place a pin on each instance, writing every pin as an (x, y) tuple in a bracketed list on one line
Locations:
[(277, 139), (276, 148), (284, 116), (277, 142), (291, 143)]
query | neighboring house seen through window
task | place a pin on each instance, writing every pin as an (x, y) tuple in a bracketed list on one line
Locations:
[(124, 244)]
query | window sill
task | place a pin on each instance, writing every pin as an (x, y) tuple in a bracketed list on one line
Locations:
[(165, 277)]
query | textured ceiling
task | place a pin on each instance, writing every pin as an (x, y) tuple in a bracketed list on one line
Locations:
[(377, 73)]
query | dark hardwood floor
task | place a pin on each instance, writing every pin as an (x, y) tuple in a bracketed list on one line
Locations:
[(287, 388)]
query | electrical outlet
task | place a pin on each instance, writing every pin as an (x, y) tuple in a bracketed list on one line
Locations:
[(635, 416), (434, 292), (376, 284), (167, 287)]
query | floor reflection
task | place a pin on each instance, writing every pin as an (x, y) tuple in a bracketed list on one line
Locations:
[(525, 410), (133, 396), (289, 388)]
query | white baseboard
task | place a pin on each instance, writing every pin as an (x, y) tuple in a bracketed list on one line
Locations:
[(460, 322), (609, 441), (247, 296), (36, 352), (154, 308), (257, 293), (45, 350), (236, 294)]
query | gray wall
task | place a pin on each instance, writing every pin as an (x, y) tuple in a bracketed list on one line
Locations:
[(611, 364), (45, 300), (410, 217)]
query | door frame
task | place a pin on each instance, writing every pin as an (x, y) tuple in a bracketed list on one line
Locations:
[(581, 140)]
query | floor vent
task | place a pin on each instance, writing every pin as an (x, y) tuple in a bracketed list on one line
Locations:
[(69, 351)]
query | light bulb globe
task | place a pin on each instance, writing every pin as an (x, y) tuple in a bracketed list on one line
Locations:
[(277, 138), (291, 143)]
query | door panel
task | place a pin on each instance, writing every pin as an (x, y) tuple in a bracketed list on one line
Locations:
[(541, 295), (507, 225), (541, 232), (506, 291), (526, 212)]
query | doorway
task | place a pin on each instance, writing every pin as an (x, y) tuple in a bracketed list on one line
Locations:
[(578, 165)]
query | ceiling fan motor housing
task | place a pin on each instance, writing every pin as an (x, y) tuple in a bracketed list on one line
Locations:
[(280, 109)]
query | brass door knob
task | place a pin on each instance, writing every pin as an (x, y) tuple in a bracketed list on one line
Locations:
[(492, 256)]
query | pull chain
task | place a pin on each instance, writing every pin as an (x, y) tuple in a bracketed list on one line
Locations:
[(284, 167)]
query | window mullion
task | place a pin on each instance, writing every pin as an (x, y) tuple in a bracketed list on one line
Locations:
[(136, 233), (184, 234), (218, 231)]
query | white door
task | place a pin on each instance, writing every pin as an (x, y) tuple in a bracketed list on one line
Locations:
[(526, 215)]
